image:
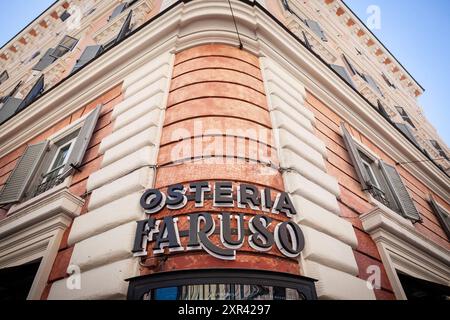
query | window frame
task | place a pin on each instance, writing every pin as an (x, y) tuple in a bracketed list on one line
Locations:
[(383, 186), (55, 157), (140, 285)]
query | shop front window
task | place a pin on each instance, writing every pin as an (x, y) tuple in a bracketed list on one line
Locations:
[(221, 285)]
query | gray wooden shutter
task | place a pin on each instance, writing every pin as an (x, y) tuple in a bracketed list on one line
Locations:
[(403, 127), (316, 28), (286, 5), (383, 111), (90, 53), (372, 83), (118, 10), (9, 108), (399, 192), (23, 173), (343, 73), (82, 142), (125, 28), (349, 65), (46, 60), (37, 89), (356, 159), (442, 215)]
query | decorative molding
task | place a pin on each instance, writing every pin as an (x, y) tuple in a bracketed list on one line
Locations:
[(112, 28), (34, 231), (403, 248)]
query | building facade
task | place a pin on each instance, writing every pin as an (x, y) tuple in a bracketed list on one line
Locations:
[(213, 149)]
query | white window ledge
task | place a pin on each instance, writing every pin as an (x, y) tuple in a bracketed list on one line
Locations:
[(403, 248)]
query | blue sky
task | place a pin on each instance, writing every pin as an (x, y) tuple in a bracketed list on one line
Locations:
[(415, 31)]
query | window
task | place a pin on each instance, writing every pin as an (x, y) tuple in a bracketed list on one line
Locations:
[(90, 53), (441, 152), (405, 116), (372, 83), (442, 215), (4, 76), (118, 10), (419, 289), (343, 73), (212, 284), (14, 105), (380, 179), (16, 282), (64, 16), (286, 5), (67, 44), (406, 129), (388, 82), (349, 66), (125, 29), (316, 28), (34, 56), (53, 172), (52, 54), (46, 164)]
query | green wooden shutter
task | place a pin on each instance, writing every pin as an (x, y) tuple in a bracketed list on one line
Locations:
[(343, 73), (356, 159), (82, 142), (23, 173), (399, 192), (442, 215)]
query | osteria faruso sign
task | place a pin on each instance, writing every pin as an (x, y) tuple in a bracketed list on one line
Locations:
[(234, 228)]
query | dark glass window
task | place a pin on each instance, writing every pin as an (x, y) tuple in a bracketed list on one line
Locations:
[(15, 282), (419, 289), (221, 284)]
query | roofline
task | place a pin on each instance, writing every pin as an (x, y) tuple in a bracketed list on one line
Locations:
[(376, 38), (33, 21)]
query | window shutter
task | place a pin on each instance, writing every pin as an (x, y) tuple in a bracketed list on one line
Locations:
[(349, 65), (23, 173), (88, 54), (383, 111), (343, 73), (82, 142), (372, 83), (46, 60), (305, 39), (118, 10), (125, 28), (399, 192), (403, 127), (356, 159), (37, 89), (286, 5), (9, 108), (316, 28), (4, 76), (442, 215)]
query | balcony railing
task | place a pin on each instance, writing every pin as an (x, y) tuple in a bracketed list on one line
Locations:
[(49, 180)]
